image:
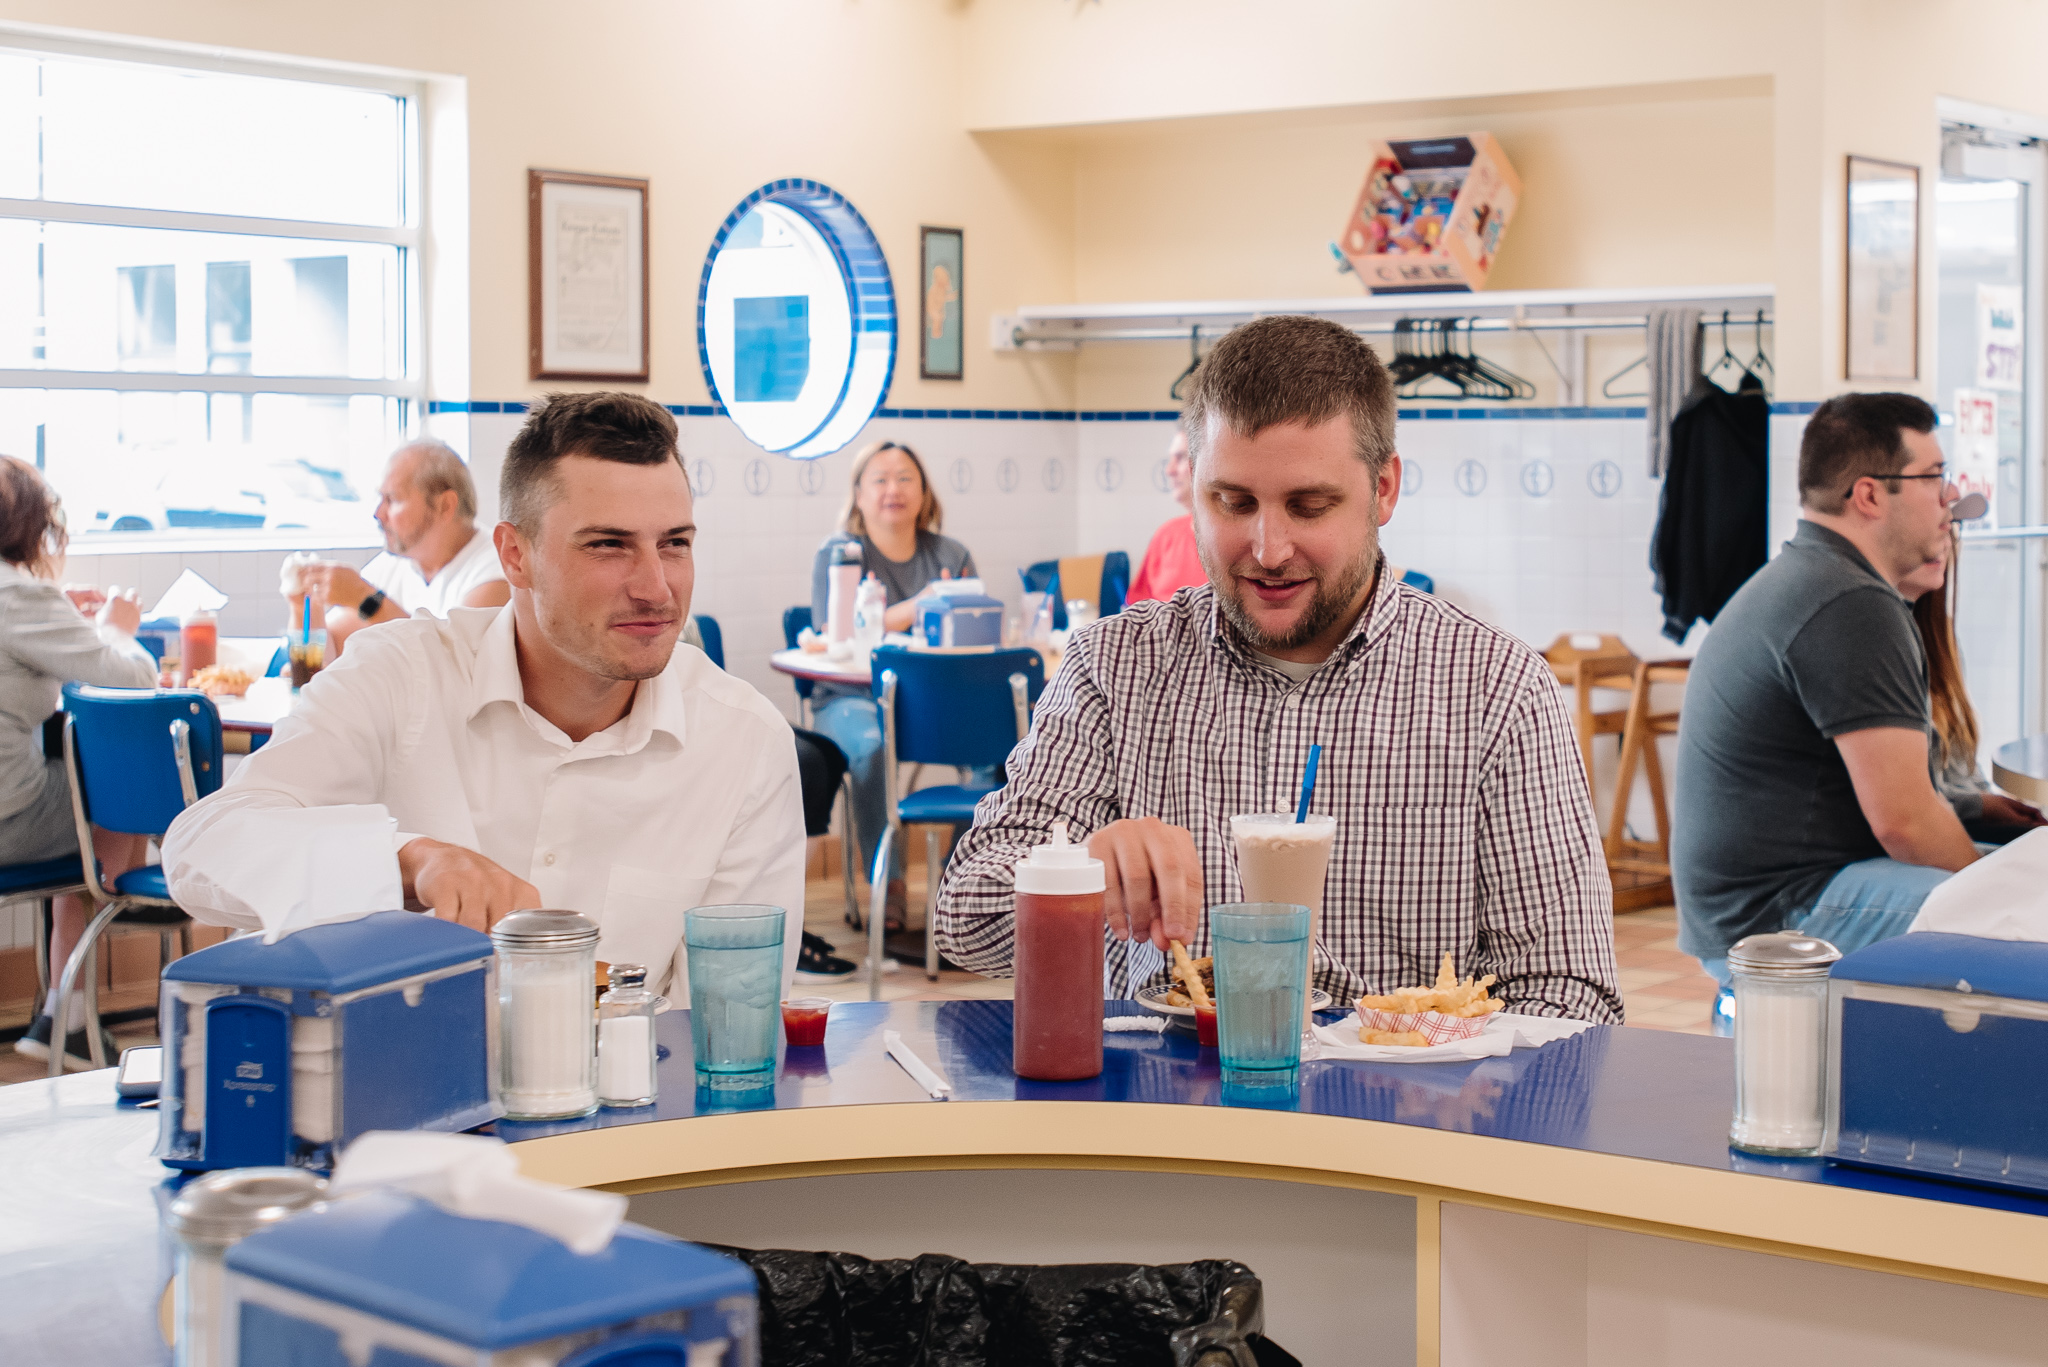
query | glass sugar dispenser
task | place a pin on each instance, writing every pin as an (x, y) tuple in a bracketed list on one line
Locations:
[(207, 1218), (626, 1051), (1781, 1043), (547, 1045)]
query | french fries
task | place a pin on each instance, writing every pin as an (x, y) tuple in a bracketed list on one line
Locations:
[(1205, 968), (1462, 999), (221, 680)]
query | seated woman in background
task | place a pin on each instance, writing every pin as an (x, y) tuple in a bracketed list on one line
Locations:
[(46, 640), (893, 515), (1171, 562), (1988, 815)]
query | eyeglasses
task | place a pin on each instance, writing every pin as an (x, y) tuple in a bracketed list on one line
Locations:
[(1943, 474)]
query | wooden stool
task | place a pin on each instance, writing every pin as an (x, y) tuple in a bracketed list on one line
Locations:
[(1641, 869), (1583, 668)]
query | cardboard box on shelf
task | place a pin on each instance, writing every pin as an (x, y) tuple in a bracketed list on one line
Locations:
[(1431, 215)]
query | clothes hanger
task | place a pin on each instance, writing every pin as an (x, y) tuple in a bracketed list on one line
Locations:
[(1761, 366), (1728, 358), (1607, 389), (1194, 360)]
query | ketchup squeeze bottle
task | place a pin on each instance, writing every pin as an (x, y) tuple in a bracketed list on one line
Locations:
[(1059, 962)]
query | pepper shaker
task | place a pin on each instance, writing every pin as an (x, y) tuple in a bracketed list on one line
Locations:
[(1781, 1038)]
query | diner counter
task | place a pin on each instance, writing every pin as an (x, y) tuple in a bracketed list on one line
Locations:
[(1580, 1197)]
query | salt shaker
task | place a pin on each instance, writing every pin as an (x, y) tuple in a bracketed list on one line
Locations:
[(547, 1032), (625, 1039), (1781, 1039), (210, 1216)]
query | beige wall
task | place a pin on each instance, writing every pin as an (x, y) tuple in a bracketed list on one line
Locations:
[(1168, 148), (1630, 187), (708, 100)]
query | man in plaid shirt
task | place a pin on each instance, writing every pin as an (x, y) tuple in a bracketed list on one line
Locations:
[(1463, 821)]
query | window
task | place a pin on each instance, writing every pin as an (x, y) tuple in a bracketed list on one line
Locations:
[(207, 296), (796, 319)]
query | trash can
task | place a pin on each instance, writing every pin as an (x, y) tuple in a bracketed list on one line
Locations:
[(843, 1310)]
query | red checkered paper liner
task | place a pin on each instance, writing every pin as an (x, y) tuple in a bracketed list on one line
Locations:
[(1435, 1025)]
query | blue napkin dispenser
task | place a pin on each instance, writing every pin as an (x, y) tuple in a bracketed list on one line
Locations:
[(389, 1278), (1934, 1045), (282, 1054), (959, 614)]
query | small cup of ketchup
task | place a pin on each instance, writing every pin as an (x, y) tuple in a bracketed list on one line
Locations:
[(803, 1021), (1205, 1025)]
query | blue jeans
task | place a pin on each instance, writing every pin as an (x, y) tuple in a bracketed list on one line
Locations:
[(1868, 901), (855, 725)]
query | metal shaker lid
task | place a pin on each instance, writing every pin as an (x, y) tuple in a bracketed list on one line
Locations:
[(544, 930), (1783, 954), (222, 1207), (626, 975)]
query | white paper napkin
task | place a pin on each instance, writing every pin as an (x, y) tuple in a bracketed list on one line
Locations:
[(316, 865), (1505, 1031), (1998, 897), (187, 592), (476, 1176)]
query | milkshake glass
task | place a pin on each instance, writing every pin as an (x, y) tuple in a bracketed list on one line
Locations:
[(1282, 860)]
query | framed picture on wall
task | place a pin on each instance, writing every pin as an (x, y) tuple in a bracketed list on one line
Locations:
[(1883, 297), (587, 276), (940, 352)]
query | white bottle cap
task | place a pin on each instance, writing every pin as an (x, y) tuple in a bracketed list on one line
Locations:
[(1059, 869)]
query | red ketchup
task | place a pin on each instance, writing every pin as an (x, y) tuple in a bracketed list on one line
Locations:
[(1059, 962), (1205, 1024), (803, 1021)]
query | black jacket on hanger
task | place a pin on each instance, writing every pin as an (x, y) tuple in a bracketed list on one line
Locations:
[(1712, 523)]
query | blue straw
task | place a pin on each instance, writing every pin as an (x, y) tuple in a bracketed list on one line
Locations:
[(1308, 783), (306, 623)]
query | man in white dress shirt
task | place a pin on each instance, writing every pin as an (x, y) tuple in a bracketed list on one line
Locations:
[(559, 753), (435, 556)]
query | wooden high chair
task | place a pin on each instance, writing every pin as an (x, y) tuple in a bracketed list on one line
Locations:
[(1609, 664), (1641, 869)]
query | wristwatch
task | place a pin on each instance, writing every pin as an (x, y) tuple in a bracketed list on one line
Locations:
[(372, 605)]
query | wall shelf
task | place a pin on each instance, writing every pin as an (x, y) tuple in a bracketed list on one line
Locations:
[(1063, 327)]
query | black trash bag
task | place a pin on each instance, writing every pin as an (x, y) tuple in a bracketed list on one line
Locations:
[(843, 1310)]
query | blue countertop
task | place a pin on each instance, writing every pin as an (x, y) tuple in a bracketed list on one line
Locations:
[(1647, 1094)]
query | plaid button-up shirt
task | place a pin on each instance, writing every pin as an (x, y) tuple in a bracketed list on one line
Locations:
[(1463, 820)]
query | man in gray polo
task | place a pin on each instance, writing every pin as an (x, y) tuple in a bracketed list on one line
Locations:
[(1803, 799)]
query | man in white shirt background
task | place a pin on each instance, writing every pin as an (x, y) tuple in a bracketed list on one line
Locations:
[(435, 556), (562, 753)]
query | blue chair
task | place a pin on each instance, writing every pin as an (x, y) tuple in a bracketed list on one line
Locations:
[(1044, 577), (41, 882), (940, 707), (795, 621), (137, 758), (1416, 579), (714, 639)]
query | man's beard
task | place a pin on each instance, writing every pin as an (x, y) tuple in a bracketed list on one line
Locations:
[(1329, 603)]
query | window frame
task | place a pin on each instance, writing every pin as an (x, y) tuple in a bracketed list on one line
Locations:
[(411, 236)]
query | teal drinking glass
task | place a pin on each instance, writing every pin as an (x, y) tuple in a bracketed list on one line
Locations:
[(1261, 951), (735, 958)]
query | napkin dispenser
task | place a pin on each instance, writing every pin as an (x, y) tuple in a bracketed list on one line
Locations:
[(388, 1277), (957, 613), (281, 1054), (1934, 1045)]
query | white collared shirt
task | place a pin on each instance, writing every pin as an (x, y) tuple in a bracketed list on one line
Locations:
[(691, 799), (475, 565)]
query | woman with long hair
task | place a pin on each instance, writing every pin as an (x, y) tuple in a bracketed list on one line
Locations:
[(1988, 815), (892, 513), (47, 639)]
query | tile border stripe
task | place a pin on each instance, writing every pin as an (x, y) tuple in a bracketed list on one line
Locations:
[(1495, 413)]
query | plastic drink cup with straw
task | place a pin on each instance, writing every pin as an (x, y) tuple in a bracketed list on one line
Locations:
[(1285, 856)]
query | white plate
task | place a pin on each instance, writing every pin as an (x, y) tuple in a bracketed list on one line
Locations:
[(1154, 999)]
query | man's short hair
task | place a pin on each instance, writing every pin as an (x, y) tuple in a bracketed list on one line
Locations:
[(1292, 368), (436, 470), (1854, 435), (602, 426)]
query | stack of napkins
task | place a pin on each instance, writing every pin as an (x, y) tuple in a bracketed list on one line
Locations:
[(1504, 1032)]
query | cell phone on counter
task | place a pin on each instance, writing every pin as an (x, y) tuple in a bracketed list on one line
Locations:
[(142, 1072)]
